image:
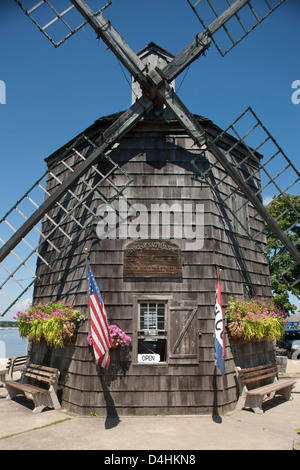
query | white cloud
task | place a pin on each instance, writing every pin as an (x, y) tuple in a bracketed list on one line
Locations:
[(18, 307), (267, 200)]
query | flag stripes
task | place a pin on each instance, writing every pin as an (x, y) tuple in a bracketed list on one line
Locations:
[(98, 321)]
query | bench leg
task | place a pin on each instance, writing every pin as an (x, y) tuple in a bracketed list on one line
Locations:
[(41, 401), (250, 401), (38, 408), (12, 392), (2, 380), (55, 402), (241, 402), (286, 392), (255, 402)]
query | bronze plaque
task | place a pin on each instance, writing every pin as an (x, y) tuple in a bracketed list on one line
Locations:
[(156, 259)]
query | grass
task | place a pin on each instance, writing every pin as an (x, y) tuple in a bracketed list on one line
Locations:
[(34, 429)]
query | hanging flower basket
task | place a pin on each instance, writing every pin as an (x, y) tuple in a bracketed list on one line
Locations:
[(117, 335), (254, 319), (55, 322)]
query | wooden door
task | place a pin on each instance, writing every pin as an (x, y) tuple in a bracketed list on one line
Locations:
[(183, 335)]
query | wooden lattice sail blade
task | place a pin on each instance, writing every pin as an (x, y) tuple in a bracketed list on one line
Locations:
[(273, 180), (58, 20), (56, 210), (229, 25), (232, 168), (110, 137), (61, 225)]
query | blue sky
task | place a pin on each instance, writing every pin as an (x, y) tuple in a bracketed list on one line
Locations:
[(54, 94)]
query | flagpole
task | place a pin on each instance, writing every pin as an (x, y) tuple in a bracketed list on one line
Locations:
[(87, 288)]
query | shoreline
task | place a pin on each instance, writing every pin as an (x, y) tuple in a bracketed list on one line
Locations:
[(8, 327)]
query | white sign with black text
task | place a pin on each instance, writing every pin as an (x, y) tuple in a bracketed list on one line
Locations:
[(148, 358)]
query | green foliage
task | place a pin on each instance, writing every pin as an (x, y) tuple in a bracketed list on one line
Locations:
[(261, 319), (46, 322), (288, 219)]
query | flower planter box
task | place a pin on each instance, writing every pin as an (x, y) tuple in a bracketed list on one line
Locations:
[(55, 323), (254, 319)]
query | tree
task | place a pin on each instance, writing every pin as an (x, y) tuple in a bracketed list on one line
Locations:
[(285, 272)]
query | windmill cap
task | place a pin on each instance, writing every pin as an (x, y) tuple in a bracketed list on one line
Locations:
[(152, 56)]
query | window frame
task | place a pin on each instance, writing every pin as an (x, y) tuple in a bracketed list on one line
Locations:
[(138, 299), (240, 208)]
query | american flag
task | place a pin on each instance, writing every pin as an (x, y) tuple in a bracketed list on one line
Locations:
[(98, 320)]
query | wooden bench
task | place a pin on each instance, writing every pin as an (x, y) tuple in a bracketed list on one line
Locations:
[(13, 364), (3, 373), (39, 383), (253, 392)]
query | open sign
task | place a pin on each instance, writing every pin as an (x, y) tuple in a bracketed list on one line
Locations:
[(148, 358)]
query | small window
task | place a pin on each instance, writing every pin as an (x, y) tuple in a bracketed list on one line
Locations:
[(240, 209), (152, 334), (165, 330)]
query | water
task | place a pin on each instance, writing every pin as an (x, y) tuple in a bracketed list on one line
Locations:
[(11, 344)]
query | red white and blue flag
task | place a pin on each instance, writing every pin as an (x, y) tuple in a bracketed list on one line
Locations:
[(219, 331), (98, 320)]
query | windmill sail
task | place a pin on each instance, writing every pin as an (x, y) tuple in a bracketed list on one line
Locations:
[(273, 177), (57, 20), (84, 171), (228, 28), (64, 220)]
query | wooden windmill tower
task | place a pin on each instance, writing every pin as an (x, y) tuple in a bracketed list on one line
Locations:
[(161, 199)]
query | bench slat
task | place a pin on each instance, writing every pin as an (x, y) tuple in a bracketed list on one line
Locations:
[(253, 374), (37, 369), (44, 368), (266, 389), (19, 359), (42, 373), (262, 368), (259, 368), (33, 389), (255, 378), (38, 377)]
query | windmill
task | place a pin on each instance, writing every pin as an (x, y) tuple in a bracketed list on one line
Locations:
[(85, 182), (156, 88)]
